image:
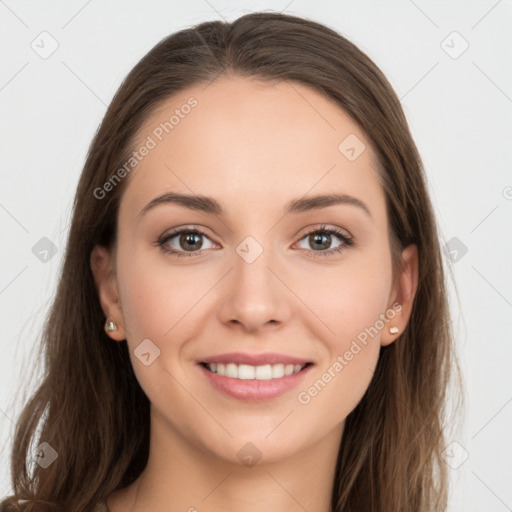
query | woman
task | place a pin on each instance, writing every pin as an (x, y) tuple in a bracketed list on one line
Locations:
[(200, 354)]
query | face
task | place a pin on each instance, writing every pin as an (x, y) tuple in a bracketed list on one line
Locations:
[(260, 278)]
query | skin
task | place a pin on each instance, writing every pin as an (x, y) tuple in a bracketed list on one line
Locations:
[(253, 146)]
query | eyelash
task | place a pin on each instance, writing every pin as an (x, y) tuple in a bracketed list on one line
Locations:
[(347, 241)]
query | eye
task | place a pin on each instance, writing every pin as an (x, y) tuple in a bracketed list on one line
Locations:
[(321, 238), (183, 241), (190, 241)]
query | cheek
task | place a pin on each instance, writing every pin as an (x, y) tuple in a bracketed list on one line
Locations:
[(154, 305), (154, 296), (348, 299), (354, 314), (352, 305), (163, 303), (142, 303)]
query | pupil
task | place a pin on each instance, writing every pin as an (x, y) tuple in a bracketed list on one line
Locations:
[(325, 236), (189, 238)]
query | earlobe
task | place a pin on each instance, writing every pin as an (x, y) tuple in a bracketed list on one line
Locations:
[(403, 294), (103, 271)]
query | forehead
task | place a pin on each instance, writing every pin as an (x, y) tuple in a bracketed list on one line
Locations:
[(242, 139)]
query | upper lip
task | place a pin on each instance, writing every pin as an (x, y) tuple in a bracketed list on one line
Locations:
[(255, 359)]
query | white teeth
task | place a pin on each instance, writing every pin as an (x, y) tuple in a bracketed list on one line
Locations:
[(246, 371), (263, 372), (231, 370), (277, 371)]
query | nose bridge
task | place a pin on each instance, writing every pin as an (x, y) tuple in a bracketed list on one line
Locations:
[(252, 275), (254, 296), (250, 249)]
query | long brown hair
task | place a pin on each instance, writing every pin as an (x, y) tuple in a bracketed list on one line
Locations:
[(90, 408)]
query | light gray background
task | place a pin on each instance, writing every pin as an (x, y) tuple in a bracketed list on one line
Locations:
[(459, 110)]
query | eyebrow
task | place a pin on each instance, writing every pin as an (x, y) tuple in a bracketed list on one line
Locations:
[(209, 205)]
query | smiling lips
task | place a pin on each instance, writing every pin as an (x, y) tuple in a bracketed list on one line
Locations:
[(254, 377)]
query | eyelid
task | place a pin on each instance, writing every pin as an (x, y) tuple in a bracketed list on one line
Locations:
[(180, 229), (325, 228)]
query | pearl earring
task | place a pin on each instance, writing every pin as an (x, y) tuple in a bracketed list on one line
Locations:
[(393, 330), (110, 326)]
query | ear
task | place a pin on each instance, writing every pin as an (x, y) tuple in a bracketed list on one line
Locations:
[(102, 266), (402, 295)]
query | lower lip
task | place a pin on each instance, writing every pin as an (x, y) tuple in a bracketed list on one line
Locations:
[(252, 389)]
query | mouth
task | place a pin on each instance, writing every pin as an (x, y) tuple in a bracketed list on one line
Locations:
[(250, 372), (254, 378)]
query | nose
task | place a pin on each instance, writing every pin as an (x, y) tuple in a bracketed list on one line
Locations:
[(254, 296)]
